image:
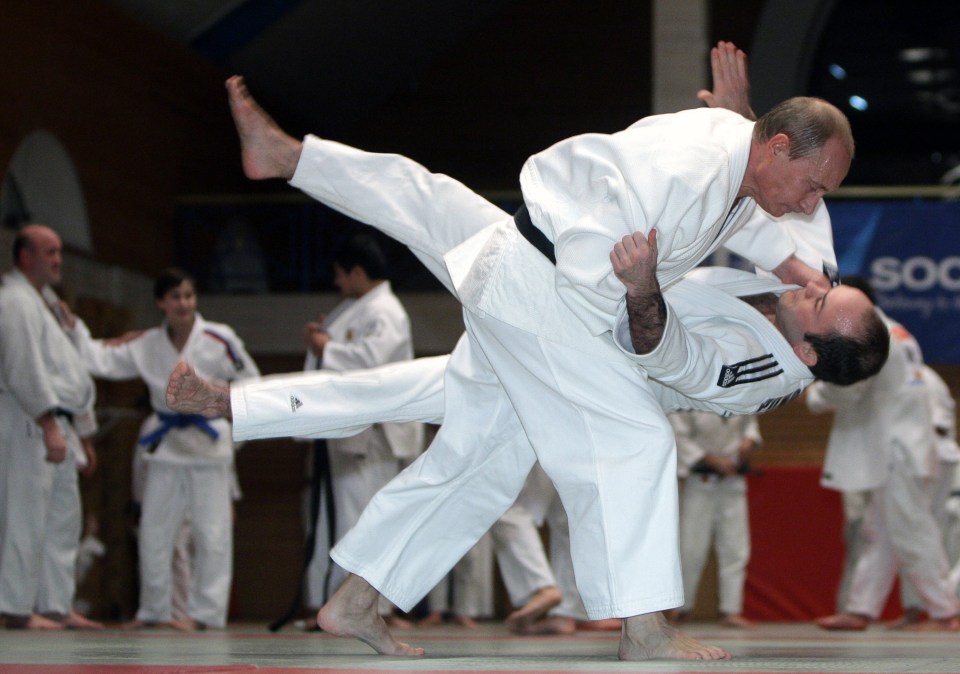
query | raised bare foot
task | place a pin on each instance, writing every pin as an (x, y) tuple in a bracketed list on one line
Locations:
[(536, 607), (934, 625), (848, 622), (266, 151), (650, 637), (190, 393), (31, 622), (552, 625), (352, 612), (736, 621)]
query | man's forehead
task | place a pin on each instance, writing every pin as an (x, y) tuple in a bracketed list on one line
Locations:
[(832, 164)]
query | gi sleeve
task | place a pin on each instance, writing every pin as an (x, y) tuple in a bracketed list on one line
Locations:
[(381, 338), (108, 362)]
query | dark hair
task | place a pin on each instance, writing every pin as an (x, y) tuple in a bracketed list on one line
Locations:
[(861, 284), (168, 279), (808, 122), (362, 250), (847, 360)]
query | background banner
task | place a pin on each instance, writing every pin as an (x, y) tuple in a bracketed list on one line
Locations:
[(910, 253)]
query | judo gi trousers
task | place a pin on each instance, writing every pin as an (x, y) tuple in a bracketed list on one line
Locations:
[(591, 420), (900, 532), (40, 522), (715, 509), (172, 492)]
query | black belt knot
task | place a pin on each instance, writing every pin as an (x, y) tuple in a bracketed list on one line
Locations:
[(66, 414), (530, 232)]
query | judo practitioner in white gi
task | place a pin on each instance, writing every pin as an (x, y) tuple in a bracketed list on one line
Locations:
[(943, 416), (529, 367), (46, 407), (369, 327), (882, 441), (189, 457), (711, 453)]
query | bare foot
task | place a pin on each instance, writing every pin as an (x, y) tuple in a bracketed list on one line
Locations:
[(432, 619), (190, 393), (934, 625), (77, 621), (650, 637), (675, 616), (553, 625), (266, 151), (736, 621), (464, 621), (352, 612), (31, 622), (606, 625), (536, 607), (187, 625), (844, 622), (396, 622), (147, 625), (910, 616)]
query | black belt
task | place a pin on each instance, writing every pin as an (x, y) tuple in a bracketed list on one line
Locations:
[(530, 232), (60, 412)]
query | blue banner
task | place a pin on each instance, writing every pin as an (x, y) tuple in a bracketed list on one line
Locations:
[(910, 253)]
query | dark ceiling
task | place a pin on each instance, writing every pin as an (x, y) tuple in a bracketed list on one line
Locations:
[(405, 75)]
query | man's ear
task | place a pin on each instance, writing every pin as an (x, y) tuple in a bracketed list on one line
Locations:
[(806, 353), (779, 145)]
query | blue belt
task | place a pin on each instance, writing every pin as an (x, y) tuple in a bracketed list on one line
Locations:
[(170, 421)]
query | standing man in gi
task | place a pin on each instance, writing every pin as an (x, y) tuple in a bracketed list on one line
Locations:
[(368, 328), (712, 452), (882, 441), (46, 404)]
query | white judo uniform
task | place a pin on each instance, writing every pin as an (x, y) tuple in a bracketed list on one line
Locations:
[(882, 441), (530, 368), (40, 517), (341, 404), (189, 462), (371, 330), (713, 507), (943, 416)]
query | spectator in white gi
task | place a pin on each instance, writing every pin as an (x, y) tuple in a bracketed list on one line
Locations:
[(46, 413), (465, 595), (526, 318), (713, 455), (369, 327), (882, 441), (189, 457), (944, 417)]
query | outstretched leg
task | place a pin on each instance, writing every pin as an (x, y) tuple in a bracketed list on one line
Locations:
[(189, 393), (352, 612), (266, 150), (651, 637)]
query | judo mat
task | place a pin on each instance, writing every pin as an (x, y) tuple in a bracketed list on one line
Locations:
[(771, 647)]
